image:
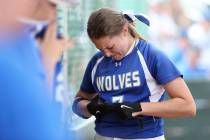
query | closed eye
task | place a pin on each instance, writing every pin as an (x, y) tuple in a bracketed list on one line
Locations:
[(110, 47)]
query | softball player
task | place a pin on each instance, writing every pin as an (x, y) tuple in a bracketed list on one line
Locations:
[(125, 83)]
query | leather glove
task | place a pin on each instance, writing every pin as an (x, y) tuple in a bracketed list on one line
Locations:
[(124, 110), (96, 106)]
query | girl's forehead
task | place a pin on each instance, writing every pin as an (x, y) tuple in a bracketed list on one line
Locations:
[(103, 41)]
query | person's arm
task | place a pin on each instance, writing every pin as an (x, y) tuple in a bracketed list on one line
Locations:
[(51, 49), (81, 106), (181, 103)]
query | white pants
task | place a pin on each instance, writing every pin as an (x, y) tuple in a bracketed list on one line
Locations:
[(99, 137)]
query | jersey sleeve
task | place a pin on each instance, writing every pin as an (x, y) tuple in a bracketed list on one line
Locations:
[(86, 85), (159, 65)]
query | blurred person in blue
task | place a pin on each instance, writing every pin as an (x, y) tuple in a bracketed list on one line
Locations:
[(165, 39), (202, 37), (125, 82), (183, 45), (48, 42), (26, 112), (52, 48), (191, 67), (206, 40)]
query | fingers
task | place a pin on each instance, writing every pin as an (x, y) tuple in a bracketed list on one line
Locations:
[(135, 114), (51, 31)]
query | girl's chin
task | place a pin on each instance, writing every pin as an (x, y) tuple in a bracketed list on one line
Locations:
[(117, 58)]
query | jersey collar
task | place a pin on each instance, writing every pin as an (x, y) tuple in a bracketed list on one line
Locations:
[(132, 47)]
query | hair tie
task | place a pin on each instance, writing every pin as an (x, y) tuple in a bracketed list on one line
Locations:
[(133, 17)]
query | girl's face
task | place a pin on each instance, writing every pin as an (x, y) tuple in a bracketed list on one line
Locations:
[(114, 46)]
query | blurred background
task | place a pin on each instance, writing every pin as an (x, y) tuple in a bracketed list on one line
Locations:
[(181, 29)]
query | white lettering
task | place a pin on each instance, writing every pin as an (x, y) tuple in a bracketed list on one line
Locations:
[(117, 82), (117, 99), (128, 80), (100, 83), (115, 86), (136, 79), (121, 80), (108, 83)]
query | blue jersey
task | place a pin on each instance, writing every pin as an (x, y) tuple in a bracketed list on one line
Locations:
[(25, 110), (138, 77)]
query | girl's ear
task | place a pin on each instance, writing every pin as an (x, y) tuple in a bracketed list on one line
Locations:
[(125, 30)]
